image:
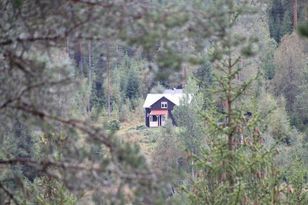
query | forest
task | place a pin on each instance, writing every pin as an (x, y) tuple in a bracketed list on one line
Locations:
[(75, 76)]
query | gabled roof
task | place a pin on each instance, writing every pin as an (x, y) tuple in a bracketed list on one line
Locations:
[(153, 98)]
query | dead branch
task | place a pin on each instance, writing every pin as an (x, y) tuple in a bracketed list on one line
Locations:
[(10, 195), (91, 3), (48, 163), (31, 87)]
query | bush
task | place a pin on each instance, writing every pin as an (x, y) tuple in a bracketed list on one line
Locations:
[(113, 125)]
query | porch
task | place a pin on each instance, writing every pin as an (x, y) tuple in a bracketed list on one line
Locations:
[(158, 118)]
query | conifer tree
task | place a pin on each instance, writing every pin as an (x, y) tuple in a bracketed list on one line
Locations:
[(238, 164)]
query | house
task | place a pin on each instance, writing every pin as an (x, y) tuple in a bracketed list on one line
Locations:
[(159, 107)]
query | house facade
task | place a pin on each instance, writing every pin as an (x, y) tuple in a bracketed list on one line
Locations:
[(158, 107)]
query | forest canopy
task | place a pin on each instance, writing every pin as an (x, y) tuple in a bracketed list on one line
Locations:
[(74, 75)]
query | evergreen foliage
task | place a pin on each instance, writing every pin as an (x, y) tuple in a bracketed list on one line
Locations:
[(280, 19), (73, 77)]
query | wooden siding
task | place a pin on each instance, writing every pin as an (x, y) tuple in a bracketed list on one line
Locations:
[(157, 104)]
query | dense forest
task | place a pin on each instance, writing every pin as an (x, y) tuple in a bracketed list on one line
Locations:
[(74, 75)]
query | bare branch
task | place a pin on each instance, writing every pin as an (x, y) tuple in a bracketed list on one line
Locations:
[(91, 3), (80, 125), (10, 195), (29, 88), (31, 39), (48, 163)]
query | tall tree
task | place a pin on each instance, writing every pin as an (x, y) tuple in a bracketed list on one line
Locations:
[(280, 18), (290, 65), (36, 73), (237, 165)]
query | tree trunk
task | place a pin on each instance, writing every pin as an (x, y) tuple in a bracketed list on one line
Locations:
[(90, 61), (89, 72), (81, 58), (229, 124), (108, 79), (294, 5)]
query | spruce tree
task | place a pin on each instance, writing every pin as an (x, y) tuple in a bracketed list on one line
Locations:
[(237, 166)]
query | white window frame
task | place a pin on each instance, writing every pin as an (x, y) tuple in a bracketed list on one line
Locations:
[(164, 104)]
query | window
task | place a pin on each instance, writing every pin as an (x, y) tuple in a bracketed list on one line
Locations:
[(164, 105), (153, 118)]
